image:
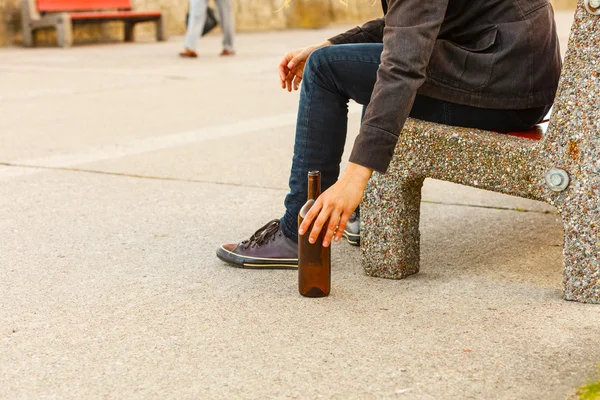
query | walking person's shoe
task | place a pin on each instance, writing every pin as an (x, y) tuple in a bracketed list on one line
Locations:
[(352, 230), (226, 52), (268, 248), (187, 53)]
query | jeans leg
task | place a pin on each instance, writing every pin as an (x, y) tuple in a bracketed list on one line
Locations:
[(332, 76), (227, 23), (196, 21)]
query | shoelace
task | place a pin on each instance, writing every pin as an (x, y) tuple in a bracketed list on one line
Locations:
[(263, 235)]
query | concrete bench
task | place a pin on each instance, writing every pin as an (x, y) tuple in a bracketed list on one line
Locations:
[(63, 14), (562, 169)]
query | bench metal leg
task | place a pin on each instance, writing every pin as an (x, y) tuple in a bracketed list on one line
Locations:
[(129, 31), (28, 13), (161, 29), (28, 37), (581, 253), (64, 31), (390, 213)]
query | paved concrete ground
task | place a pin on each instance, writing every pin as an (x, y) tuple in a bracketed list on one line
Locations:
[(134, 165)]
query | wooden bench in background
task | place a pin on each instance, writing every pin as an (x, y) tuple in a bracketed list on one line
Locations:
[(63, 14)]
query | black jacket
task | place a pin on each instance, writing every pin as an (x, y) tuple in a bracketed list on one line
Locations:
[(487, 53)]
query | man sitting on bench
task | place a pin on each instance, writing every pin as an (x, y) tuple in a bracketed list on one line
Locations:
[(489, 64)]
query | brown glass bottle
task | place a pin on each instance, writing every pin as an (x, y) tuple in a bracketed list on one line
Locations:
[(314, 260)]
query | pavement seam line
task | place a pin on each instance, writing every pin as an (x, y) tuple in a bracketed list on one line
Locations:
[(169, 141), (136, 176), (159, 178)]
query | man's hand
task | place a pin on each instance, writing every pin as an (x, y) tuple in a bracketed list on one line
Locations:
[(337, 204), (292, 65)]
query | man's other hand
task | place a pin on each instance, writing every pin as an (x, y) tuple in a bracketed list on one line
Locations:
[(292, 65)]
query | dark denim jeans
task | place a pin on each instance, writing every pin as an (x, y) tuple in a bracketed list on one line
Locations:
[(335, 74)]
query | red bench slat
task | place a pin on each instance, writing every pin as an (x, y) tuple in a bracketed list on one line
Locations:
[(113, 14), (81, 5), (535, 133)]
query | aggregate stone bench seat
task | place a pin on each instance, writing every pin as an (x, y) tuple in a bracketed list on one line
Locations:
[(63, 14), (562, 169)]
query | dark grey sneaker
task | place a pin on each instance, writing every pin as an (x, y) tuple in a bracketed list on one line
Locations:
[(268, 248), (352, 230)]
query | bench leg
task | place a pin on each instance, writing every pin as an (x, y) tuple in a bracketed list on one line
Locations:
[(64, 31), (581, 253), (28, 37), (28, 14), (390, 213), (161, 29), (129, 31)]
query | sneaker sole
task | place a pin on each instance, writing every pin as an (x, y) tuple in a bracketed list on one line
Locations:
[(352, 238), (256, 263)]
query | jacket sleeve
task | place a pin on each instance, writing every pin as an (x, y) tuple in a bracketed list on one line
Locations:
[(371, 32), (411, 28)]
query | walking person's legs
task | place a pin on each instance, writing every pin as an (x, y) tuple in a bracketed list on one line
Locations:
[(196, 21), (227, 25)]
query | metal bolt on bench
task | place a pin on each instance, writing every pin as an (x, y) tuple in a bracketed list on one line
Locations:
[(560, 169)]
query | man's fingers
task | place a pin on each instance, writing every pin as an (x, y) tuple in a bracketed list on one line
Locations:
[(319, 222), (288, 81), (342, 225), (309, 217), (296, 82), (283, 69), (331, 227), (283, 73), (297, 60), (282, 79)]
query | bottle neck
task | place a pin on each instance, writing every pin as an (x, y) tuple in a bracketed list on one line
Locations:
[(314, 185)]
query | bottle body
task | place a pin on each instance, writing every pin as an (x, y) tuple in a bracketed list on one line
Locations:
[(314, 260)]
